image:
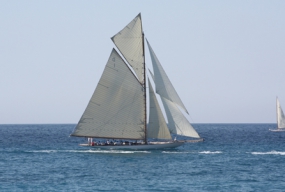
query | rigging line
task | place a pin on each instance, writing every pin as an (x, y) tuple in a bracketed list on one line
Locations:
[(192, 120)]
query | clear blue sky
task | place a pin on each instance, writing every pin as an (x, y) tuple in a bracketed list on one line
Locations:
[(226, 59)]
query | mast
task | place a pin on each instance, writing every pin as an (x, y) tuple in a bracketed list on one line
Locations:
[(144, 86)]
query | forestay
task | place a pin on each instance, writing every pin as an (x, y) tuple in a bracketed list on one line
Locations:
[(116, 107), (157, 127), (162, 83), (177, 123), (130, 43), (280, 115)]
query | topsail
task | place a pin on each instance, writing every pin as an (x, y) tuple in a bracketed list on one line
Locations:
[(130, 43)]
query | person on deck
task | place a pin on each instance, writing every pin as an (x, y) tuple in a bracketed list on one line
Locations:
[(89, 140)]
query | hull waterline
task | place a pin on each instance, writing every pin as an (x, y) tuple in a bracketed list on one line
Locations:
[(150, 146)]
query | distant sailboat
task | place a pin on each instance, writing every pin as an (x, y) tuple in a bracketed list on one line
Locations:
[(117, 110), (280, 118)]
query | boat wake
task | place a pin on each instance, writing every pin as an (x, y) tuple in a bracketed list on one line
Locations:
[(43, 151), (87, 151), (268, 153), (277, 130), (121, 151), (202, 152)]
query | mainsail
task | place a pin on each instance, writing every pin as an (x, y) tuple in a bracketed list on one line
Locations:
[(177, 123), (130, 43), (116, 107), (162, 83), (280, 115), (157, 127)]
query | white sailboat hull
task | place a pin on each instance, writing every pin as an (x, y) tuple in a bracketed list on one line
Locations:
[(277, 130), (150, 146)]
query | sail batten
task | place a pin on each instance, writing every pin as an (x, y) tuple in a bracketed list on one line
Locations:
[(116, 107), (129, 41), (157, 127)]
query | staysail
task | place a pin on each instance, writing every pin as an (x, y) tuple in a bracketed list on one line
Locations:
[(280, 115), (116, 108), (177, 123), (162, 83), (130, 43), (157, 127)]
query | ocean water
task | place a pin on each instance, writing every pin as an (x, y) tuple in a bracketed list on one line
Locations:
[(233, 157)]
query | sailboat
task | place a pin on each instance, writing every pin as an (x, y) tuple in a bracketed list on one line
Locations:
[(119, 107), (280, 118)]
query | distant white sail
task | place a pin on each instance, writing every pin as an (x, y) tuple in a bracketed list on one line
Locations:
[(116, 108), (177, 123), (162, 83), (280, 115), (130, 43), (157, 127)]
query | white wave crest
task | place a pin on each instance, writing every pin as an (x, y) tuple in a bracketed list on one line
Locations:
[(211, 152), (268, 153), (203, 152), (43, 151), (175, 152)]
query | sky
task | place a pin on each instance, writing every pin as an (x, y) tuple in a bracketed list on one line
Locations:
[(226, 59)]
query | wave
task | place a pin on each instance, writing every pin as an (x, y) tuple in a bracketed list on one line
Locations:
[(176, 152), (211, 152), (43, 151), (203, 152), (268, 153)]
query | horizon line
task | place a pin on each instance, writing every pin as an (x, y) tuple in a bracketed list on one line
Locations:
[(76, 123)]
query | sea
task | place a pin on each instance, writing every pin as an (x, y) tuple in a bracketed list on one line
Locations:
[(233, 157)]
